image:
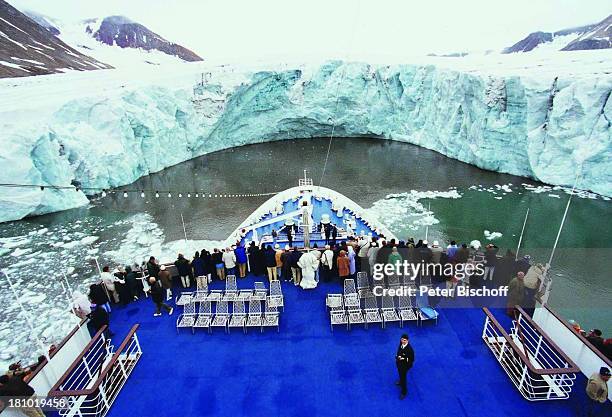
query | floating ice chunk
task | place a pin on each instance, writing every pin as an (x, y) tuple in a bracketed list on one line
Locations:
[(492, 235), (89, 240)]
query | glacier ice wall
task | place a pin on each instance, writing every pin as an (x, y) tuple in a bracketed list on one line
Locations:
[(546, 129)]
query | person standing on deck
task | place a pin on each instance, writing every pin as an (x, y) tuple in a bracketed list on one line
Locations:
[(165, 281), (157, 295), (286, 264), (334, 234), (372, 254), (229, 259), (327, 262), (270, 256), (15, 386), (362, 254), (344, 265), (451, 250), (153, 267), (184, 270), (241, 260), (404, 359), (208, 265), (197, 264), (109, 280), (279, 264), (351, 256), (289, 231), (98, 318), (217, 260), (296, 271), (490, 261), (597, 391), (516, 293)]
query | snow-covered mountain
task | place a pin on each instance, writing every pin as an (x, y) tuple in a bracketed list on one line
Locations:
[(26, 48), (595, 36), (44, 21), (121, 31), (598, 37), (116, 40)]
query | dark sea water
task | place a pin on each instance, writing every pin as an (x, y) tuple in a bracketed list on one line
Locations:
[(391, 178)]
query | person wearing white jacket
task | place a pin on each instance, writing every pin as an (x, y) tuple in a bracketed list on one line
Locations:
[(229, 259), (327, 263), (309, 263), (109, 280)]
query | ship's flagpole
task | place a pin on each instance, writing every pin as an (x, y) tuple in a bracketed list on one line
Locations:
[(547, 282), (567, 206), (184, 230), (427, 226), (521, 237)]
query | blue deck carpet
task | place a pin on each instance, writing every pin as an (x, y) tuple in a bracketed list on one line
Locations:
[(306, 370)]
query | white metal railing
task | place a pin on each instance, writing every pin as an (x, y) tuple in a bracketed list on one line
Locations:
[(302, 182), (534, 363), (94, 380)]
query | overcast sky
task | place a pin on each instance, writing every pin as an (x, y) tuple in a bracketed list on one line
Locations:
[(335, 28)]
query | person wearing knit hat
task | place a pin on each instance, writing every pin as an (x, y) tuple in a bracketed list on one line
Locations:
[(597, 391)]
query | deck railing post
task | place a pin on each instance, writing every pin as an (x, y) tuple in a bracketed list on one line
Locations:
[(523, 378), (103, 396)]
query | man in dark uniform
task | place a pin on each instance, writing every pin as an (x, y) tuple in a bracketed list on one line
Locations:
[(404, 360)]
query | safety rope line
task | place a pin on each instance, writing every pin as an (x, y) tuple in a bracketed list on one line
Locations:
[(157, 193)]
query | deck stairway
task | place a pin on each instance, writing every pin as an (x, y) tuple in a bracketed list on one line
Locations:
[(537, 367), (93, 381)]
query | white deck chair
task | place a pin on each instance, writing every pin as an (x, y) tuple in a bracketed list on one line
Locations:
[(355, 315), (389, 313), (221, 316), (333, 301), (184, 298), (337, 315), (363, 284), (271, 317), (261, 292), (187, 318), (405, 310), (201, 293), (238, 318), (254, 318), (244, 295), (231, 289), (393, 281), (276, 298), (214, 296), (204, 315), (351, 298), (371, 310)]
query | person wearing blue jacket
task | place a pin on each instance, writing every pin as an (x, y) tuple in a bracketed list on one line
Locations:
[(241, 259)]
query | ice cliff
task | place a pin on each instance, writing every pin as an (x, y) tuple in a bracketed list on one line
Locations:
[(544, 128)]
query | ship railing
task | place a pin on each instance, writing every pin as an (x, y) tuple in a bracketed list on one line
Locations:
[(95, 378), (537, 367)]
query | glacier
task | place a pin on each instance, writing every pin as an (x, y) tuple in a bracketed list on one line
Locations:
[(549, 128)]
